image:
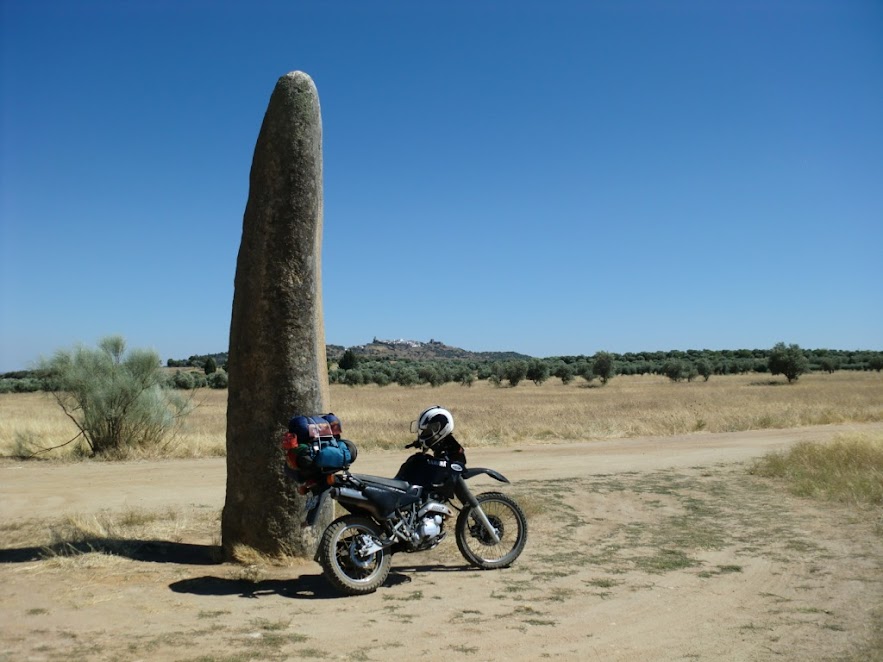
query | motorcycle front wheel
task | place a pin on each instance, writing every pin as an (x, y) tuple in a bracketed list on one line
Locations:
[(349, 556), (475, 542)]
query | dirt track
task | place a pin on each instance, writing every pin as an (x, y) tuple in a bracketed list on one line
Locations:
[(659, 548)]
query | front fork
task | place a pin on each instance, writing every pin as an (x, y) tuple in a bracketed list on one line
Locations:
[(465, 495)]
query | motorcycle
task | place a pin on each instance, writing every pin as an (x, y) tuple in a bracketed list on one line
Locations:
[(408, 513)]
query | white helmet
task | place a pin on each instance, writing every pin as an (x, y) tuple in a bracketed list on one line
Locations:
[(434, 424)]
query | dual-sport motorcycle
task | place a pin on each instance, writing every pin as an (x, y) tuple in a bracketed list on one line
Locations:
[(409, 513)]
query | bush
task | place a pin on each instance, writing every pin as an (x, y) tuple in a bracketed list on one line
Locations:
[(406, 377), (586, 371), (675, 370), (564, 372), (381, 378), (115, 398), (183, 380), (218, 379), (354, 378), (210, 366), (25, 385)]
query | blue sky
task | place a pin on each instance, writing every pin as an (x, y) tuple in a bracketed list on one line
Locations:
[(545, 177)]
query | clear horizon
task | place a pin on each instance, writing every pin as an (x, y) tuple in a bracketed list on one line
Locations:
[(549, 179)]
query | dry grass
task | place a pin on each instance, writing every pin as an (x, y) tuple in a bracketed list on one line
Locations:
[(376, 417), (848, 469), (102, 540)]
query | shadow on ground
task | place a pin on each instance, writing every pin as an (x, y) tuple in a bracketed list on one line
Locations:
[(150, 551), (305, 587)]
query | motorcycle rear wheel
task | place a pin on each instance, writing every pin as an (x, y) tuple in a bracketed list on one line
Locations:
[(476, 544), (344, 564)]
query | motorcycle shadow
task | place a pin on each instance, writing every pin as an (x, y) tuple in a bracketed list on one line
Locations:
[(305, 587)]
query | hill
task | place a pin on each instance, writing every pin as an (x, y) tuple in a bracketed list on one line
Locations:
[(377, 349), (421, 351)]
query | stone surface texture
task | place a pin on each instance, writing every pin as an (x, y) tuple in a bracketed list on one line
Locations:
[(277, 364)]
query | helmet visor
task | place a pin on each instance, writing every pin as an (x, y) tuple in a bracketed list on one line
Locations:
[(432, 429)]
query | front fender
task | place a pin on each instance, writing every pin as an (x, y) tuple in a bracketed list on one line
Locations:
[(496, 475)]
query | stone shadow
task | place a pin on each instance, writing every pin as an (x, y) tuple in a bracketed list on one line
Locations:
[(148, 551)]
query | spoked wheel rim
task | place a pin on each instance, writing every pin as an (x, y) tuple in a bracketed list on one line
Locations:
[(350, 557), (478, 531), (508, 524)]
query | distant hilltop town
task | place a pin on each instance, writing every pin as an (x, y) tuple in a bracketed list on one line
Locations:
[(401, 342)]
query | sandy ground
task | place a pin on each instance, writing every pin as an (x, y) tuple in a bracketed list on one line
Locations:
[(655, 548)]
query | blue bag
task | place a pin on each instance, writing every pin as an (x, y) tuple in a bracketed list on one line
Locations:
[(315, 446)]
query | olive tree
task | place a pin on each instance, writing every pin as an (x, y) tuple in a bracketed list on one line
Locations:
[(603, 366), (537, 371), (788, 360), (514, 372), (118, 400), (704, 368)]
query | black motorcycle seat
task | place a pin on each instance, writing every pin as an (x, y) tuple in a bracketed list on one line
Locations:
[(387, 482)]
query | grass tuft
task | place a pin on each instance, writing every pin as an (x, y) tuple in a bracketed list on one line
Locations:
[(848, 469)]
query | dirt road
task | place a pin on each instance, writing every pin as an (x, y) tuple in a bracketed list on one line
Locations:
[(38, 489), (656, 548)]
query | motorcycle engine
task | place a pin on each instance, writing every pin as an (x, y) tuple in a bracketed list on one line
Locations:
[(430, 528), (425, 530)]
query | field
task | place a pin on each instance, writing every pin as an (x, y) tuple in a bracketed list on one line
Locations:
[(654, 534), (629, 406)]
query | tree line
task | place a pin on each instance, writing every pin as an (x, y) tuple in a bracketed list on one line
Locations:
[(788, 360), (210, 370)]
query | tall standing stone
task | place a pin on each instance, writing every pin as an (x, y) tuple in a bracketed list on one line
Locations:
[(277, 336)]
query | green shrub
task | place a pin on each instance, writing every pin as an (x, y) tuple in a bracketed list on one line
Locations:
[(183, 380), (24, 385), (564, 372), (218, 379), (406, 377), (675, 370), (116, 398), (354, 377), (586, 371), (381, 378)]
